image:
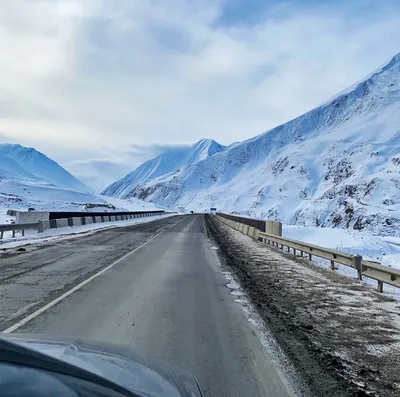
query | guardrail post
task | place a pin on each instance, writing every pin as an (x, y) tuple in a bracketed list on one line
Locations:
[(332, 265), (358, 265), (380, 286), (310, 257)]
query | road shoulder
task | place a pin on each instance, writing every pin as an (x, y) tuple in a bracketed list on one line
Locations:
[(341, 337)]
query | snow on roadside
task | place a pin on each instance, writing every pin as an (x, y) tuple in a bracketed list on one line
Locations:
[(374, 248), (380, 249), (131, 204), (33, 237)]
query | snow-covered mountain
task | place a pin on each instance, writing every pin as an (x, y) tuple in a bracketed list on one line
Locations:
[(337, 165), (20, 163), (167, 162), (29, 179)]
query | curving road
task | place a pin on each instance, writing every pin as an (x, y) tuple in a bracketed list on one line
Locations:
[(161, 291)]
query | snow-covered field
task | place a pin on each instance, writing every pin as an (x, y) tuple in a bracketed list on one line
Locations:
[(131, 204), (374, 248), (21, 195)]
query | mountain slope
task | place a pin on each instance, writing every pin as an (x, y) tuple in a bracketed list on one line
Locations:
[(163, 164), (9, 169), (19, 162), (337, 165), (30, 179)]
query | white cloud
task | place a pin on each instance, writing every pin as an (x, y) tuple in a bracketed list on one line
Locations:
[(99, 76), (98, 173)]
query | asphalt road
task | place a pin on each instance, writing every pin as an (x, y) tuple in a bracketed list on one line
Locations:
[(168, 299)]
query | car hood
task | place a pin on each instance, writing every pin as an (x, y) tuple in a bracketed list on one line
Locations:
[(118, 364)]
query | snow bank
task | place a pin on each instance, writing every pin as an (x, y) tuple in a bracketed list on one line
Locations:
[(380, 249)]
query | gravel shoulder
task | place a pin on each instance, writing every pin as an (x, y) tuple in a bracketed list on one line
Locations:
[(342, 337)]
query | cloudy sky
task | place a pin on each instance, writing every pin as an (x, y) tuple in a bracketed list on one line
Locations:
[(102, 85)]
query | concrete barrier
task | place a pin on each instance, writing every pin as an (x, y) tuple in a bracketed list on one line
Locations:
[(43, 226), (31, 216), (250, 232), (62, 222), (76, 221), (272, 227), (246, 229)]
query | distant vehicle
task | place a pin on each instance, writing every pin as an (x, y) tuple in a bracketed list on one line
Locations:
[(36, 366), (192, 212), (31, 209)]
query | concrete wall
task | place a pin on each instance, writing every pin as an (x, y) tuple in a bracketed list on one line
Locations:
[(76, 221), (62, 222), (43, 226), (31, 217), (272, 227)]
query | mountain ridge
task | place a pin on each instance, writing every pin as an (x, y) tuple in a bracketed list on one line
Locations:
[(324, 168), (163, 164), (36, 166)]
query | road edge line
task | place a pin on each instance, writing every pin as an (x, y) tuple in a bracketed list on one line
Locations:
[(57, 300)]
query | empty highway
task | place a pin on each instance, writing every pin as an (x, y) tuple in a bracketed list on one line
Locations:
[(161, 291)]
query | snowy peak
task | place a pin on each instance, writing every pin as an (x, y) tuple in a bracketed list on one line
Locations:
[(21, 163), (170, 161), (203, 149)]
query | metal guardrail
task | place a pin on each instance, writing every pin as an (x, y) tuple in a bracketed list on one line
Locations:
[(13, 227), (382, 274)]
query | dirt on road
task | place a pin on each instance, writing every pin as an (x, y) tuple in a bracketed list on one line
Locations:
[(342, 337)]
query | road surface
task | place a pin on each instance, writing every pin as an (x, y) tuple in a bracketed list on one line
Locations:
[(168, 299)]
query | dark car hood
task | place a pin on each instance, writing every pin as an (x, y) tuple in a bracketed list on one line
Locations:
[(119, 364)]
